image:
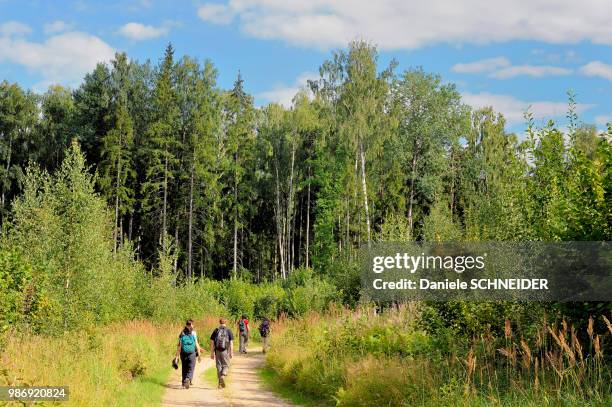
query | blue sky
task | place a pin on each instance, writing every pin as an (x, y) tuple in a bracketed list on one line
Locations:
[(508, 54)]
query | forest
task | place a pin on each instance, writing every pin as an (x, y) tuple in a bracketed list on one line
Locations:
[(148, 192)]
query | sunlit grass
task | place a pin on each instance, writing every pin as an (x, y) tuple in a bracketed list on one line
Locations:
[(274, 383), (124, 364), (210, 376), (363, 358)]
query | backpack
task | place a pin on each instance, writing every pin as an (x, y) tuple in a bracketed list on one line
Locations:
[(188, 344), (221, 339), (264, 329), (242, 325)]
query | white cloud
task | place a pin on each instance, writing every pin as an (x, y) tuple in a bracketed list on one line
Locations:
[(141, 32), (11, 28), (216, 13), (569, 56), (603, 119), (483, 65), (513, 109), (284, 94), (597, 68), (500, 68), (401, 24), (63, 58), (537, 71), (56, 26)]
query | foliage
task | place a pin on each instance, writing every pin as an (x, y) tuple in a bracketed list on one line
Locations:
[(122, 364), (149, 192), (363, 153), (15, 288), (365, 358)]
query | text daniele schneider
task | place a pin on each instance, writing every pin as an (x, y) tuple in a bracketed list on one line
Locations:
[(458, 264)]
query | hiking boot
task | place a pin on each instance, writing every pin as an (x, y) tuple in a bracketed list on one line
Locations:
[(186, 383), (222, 382)]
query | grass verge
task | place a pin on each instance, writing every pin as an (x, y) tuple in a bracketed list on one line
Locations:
[(274, 383), (144, 391), (362, 358), (210, 376), (123, 364)]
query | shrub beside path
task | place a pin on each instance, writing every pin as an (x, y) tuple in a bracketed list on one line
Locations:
[(244, 388)]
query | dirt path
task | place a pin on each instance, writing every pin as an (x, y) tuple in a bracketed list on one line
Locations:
[(244, 386)]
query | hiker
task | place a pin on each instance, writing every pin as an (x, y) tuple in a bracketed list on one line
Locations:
[(195, 335), (243, 333), (264, 332), (188, 348), (222, 349)]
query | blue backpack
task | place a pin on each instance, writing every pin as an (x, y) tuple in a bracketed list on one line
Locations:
[(188, 344)]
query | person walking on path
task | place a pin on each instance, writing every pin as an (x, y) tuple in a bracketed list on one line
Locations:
[(222, 350), (187, 350), (195, 335), (243, 333), (264, 332)]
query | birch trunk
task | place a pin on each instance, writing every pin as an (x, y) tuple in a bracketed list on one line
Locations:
[(289, 216), (365, 191), (279, 226)]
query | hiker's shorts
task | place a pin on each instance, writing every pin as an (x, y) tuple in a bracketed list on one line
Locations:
[(222, 361)]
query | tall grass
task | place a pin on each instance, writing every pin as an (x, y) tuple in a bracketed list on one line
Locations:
[(123, 364), (361, 358)]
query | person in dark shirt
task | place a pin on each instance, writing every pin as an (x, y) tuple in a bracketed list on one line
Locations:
[(222, 349), (264, 331)]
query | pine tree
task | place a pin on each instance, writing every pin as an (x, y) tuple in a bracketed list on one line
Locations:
[(200, 117), (91, 110), (160, 150), (239, 140), (116, 168)]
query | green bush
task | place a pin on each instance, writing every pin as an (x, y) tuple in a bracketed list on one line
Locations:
[(305, 292), (16, 290), (62, 229), (239, 297), (269, 301)]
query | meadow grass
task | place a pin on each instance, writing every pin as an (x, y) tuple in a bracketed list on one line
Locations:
[(364, 358), (123, 364), (274, 383), (144, 391)]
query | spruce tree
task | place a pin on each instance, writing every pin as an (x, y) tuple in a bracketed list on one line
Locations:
[(160, 150)]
